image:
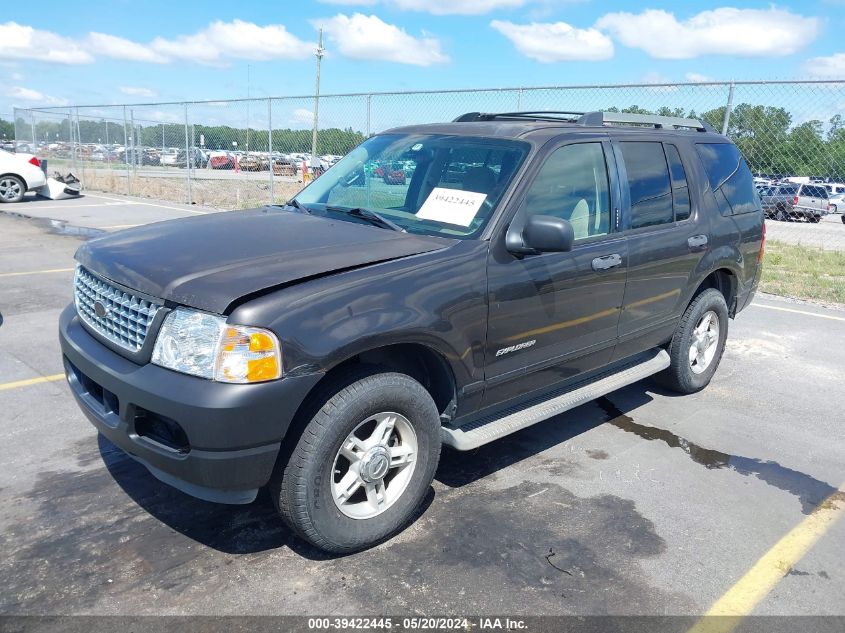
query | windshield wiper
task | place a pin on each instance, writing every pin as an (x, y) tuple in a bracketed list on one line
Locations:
[(371, 216), (293, 202)]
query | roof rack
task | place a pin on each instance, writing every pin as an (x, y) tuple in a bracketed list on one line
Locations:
[(556, 116), (592, 119), (597, 119)]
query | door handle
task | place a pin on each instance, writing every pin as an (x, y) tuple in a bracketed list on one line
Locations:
[(608, 261), (697, 242)]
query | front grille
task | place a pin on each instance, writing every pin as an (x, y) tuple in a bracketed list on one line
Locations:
[(118, 316)]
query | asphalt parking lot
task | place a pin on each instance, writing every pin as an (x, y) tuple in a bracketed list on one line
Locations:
[(639, 503)]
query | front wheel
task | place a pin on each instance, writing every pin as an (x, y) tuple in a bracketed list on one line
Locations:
[(12, 189), (698, 343), (363, 464)]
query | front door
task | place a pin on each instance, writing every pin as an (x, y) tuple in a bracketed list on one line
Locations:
[(555, 315)]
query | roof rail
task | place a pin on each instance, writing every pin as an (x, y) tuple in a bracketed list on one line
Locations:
[(598, 119), (557, 116)]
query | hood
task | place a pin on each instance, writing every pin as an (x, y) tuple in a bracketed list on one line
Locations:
[(213, 261)]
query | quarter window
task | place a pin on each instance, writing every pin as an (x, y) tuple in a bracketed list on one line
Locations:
[(729, 176), (648, 182), (572, 185)]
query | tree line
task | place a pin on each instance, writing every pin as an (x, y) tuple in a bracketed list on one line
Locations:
[(287, 140), (767, 136)]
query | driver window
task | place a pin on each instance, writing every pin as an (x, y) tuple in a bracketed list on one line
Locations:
[(572, 184)]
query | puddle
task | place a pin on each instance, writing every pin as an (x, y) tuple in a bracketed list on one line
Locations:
[(809, 490), (58, 227)]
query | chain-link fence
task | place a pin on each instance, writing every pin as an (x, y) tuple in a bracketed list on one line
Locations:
[(241, 153)]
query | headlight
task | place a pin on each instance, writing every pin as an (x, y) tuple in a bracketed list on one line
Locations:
[(204, 345)]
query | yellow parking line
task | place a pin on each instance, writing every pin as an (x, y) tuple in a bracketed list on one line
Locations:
[(741, 599), (30, 381), (804, 312), (38, 272)]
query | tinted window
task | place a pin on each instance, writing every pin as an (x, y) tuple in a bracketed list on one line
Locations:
[(788, 191), (572, 184), (729, 176), (680, 189), (648, 182), (814, 191)]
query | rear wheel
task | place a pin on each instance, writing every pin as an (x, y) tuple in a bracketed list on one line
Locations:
[(815, 219), (698, 343), (12, 189), (363, 464)]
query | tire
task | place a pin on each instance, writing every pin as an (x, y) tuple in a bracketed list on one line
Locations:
[(12, 188), (781, 215), (306, 487), (682, 375), (815, 219)]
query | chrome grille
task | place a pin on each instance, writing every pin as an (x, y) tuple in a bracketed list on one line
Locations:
[(123, 318)]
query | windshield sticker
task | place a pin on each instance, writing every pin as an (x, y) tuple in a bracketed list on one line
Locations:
[(451, 206)]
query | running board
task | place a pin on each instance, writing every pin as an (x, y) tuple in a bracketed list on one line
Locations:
[(485, 430)]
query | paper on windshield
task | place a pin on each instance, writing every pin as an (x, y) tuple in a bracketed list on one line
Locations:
[(451, 206)]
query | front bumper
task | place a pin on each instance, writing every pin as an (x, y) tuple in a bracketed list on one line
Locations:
[(227, 436)]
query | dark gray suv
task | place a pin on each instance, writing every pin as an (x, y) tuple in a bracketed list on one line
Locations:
[(526, 264)]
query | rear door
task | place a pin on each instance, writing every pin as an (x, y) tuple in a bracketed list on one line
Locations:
[(667, 237), (814, 198)]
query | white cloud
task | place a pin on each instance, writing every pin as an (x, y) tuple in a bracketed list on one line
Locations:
[(215, 44), (832, 67), (18, 41), (724, 31), (136, 91), (698, 78), (121, 48), (302, 116), (28, 94), (556, 41), (438, 7), (236, 39), (368, 37), (460, 7)]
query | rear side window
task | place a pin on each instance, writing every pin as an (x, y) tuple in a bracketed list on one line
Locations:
[(649, 184), (680, 188), (814, 191), (729, 176)]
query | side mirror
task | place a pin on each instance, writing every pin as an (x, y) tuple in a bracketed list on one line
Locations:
[(542, 234)]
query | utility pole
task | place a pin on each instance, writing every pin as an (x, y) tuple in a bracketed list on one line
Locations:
[(247, 109), (315, 162)]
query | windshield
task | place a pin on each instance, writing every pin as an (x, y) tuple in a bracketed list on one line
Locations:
[(433, 184)]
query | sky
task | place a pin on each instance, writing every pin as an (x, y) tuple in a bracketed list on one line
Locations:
[(127, 51)]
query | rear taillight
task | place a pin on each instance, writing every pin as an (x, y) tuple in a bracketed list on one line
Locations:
[(35, 161), (762, 244), (795, 201)]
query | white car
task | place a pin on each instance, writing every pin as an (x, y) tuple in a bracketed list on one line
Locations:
[(836, 197), (19, 173)]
